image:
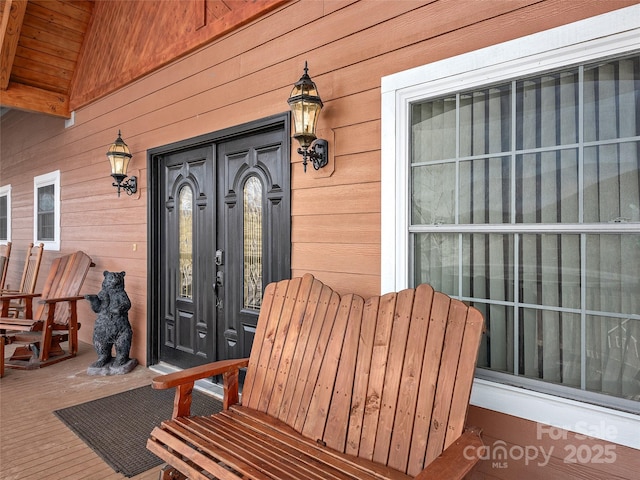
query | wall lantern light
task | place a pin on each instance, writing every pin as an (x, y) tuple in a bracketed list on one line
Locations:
[(305, 104), (119, 157)]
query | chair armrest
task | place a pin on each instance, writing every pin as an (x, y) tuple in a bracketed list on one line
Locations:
[(62, 299), (457, 460), (8, 291), (184, 381), (5, 297)]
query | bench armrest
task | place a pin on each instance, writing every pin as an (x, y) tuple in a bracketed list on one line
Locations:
[(184, 381), (457, 460)]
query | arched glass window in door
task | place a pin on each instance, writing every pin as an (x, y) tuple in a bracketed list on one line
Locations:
[(252, 200), (185, 242)]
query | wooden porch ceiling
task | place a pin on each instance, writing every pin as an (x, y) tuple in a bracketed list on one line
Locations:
[(58, 55), (41, 42)]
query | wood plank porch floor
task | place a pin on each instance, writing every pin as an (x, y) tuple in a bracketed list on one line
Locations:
[(34, 444)]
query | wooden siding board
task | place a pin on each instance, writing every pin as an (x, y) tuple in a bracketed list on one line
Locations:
[(323, 32), (353, 169), (346, 228), (360, 284), (337, 200)]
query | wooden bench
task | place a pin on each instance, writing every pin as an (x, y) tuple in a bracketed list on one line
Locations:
[(335, 388)]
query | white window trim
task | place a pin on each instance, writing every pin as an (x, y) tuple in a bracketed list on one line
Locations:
[(6, 191), (52, 178), (611, 34)]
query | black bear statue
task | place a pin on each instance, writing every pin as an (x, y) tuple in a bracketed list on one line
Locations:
[(112, 327)]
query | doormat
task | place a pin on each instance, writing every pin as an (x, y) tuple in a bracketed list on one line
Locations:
[(117, 427)]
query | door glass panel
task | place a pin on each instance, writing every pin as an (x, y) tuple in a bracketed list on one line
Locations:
[(252, 199), (185, 238)]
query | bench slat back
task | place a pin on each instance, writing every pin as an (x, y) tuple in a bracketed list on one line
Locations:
[(386, 379)]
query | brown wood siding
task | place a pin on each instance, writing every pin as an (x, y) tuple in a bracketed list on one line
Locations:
[(551, 452), (243, 76)]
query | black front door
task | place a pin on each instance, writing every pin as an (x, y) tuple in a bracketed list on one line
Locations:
[(219, 232), (187, 335), (253, 234)]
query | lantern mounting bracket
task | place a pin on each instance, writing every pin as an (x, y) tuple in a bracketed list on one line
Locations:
[(317, 152), (130, 186)]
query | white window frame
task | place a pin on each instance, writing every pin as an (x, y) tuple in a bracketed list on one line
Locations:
[(612, 34), (5, 191), (52, 178)]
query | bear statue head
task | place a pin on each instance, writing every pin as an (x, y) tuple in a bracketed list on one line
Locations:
[(113, 280)]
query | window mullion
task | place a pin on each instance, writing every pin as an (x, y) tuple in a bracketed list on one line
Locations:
[(516, 240), (583, 237)]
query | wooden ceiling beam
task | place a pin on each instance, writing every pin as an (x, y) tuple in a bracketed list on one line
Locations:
[(12, 18), (31, 99)]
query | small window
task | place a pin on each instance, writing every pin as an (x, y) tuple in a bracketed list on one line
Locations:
[(5, 214), (46, 215)]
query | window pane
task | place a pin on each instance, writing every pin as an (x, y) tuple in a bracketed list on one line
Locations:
[(485, 121), (613, 273), (547, 187), (253, 206), (433, 194), (496, 347), (612, 183), (487, 266), (485, 191), (611, 100), (547, 110), (433, 130), (550, 270), (613, 362), (549, 346), (46, 213), (185, 238), (436, 261)]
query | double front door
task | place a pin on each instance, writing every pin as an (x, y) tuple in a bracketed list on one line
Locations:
[(221, 232)]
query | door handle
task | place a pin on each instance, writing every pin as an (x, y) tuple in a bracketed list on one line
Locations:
[(218, 288)]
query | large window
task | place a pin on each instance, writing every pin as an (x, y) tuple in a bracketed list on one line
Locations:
[(5, 214), (46, 214), (512, 176), (525, 202)]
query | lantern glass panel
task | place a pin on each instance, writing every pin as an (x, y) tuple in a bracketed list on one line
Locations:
[(119, 164)]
